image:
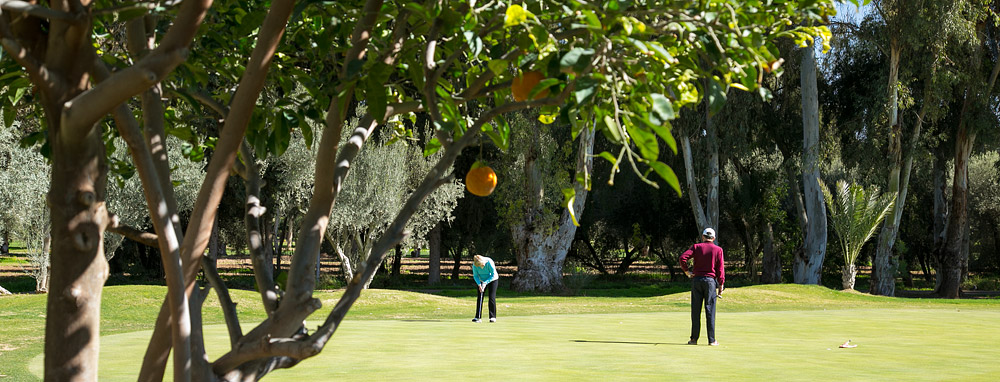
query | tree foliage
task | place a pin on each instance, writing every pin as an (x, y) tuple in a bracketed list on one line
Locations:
[(630, 65)]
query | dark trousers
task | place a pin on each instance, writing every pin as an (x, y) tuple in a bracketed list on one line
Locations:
[(703, 292), (491, 288)]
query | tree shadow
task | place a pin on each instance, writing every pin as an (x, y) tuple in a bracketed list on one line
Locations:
[(627, 342)]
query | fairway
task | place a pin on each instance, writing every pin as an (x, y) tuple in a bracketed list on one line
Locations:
[(893, 344)]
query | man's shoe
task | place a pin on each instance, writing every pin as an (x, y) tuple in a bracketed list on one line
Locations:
[(716, 343), (476, 320), (693, 342), (493, 319)]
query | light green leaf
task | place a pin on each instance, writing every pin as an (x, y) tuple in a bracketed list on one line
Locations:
[(612, 127), (646, 141), (667, 174), (662, 106), (570, 195), (432, 147), (610, 158)]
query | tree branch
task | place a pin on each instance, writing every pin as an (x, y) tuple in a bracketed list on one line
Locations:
[(207, 100), (143, 237), (36, 69), (263, 275), (488, 75), (225, 300), (80, 113), (177, 300)]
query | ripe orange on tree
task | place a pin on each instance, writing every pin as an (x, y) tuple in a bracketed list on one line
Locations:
[(522, 85), (480, 180)]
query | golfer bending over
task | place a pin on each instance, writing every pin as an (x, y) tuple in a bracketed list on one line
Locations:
[(708, 276), (485, 274)]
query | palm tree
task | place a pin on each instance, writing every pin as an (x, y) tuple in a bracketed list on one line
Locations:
[(855, 215)]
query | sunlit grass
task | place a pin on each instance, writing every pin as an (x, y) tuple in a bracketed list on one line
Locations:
[(768, 332)]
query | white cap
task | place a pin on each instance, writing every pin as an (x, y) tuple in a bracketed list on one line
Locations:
[(709, 233)]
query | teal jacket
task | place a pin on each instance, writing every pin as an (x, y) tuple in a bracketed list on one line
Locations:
[(486, 274)]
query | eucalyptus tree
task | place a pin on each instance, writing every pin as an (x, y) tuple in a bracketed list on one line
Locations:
[(908, 40), (980, 65), (855, 214), (453, 61), (540, 167)]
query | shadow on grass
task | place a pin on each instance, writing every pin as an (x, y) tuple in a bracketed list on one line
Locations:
[(651, 290), (18, 284), (628, 342)]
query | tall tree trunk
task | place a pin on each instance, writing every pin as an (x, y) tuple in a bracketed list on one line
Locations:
[(884, 266), (541, 256), (596, 257), (940, 213), (286, 237), (706, 215), (5, 248), (397, 261), (456, 256), (966, 233), (79, 217), (770, 272), (275, 238), (434, 273), (883, 278), (42, 284), (345, 262), (940, 198), (809, 265), (950, 253), (631, 255)]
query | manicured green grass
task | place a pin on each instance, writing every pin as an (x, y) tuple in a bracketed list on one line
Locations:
[(782, 332)]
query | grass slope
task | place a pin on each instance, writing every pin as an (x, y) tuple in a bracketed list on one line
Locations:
[(783, 332)]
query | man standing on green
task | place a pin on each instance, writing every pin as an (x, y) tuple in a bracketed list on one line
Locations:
[(707, 277)]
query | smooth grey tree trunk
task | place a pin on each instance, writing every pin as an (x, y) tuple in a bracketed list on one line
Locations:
[(434, 273), (540, 256), (809, 265), (770, 272), (884, 266), (706, 215), (42, 283), (950, 254), (397, 261)]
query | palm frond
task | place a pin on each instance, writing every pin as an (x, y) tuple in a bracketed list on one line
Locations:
[(855, 214)]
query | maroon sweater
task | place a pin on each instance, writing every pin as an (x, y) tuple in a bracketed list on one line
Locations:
[(708, 261)]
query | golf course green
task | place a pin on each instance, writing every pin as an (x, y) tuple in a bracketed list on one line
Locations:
[(781, 332)]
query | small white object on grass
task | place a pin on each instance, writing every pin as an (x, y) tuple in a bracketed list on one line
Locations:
[(848, 345)]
